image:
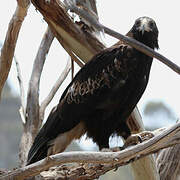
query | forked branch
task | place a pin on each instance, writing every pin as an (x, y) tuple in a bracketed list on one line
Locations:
[(33, 123)]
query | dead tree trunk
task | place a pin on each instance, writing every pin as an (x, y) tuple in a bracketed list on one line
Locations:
[(168, 163)]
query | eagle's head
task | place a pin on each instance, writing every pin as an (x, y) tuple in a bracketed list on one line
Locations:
[(146, 31)]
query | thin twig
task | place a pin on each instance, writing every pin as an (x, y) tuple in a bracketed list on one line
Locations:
[(132, 42), (22, 94), (53, 91), (164, 139), (72, 68)]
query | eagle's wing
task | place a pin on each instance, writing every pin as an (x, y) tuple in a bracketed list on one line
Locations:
[(99, 74), (82, 96)]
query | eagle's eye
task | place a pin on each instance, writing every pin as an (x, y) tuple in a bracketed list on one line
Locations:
[(151, 24), (138, 22)]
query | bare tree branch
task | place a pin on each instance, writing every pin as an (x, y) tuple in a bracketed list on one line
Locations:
[(166, 138), (7, 51), (53, 91), (22, 94), (132, 42), (33, 122)]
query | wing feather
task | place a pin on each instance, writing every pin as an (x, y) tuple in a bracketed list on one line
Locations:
[(99, 74)]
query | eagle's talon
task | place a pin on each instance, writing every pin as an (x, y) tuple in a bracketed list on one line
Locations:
[(48, 158), (132, 140), (146, 135), (138, 138)]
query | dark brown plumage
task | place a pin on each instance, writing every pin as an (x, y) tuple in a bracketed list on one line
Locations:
[(100, 97)]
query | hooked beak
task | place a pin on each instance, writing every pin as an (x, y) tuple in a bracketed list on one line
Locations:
[(144, 27)]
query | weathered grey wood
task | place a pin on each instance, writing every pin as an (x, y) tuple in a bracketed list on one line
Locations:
[(7, 51), (32, 118), (168, 163)]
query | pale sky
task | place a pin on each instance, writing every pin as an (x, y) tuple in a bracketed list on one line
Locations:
[(164, 84)]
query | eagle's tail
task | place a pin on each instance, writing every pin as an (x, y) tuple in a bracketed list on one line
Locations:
[(54, 136), (41, 144), (38, 150)]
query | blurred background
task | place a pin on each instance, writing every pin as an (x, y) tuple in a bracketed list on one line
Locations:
[(159, 105)]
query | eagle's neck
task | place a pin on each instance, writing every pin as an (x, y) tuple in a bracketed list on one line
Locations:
[(145, 62)]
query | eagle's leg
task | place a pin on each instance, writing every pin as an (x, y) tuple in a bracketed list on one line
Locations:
[(103, 144), (102, 140), (123, 130)]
